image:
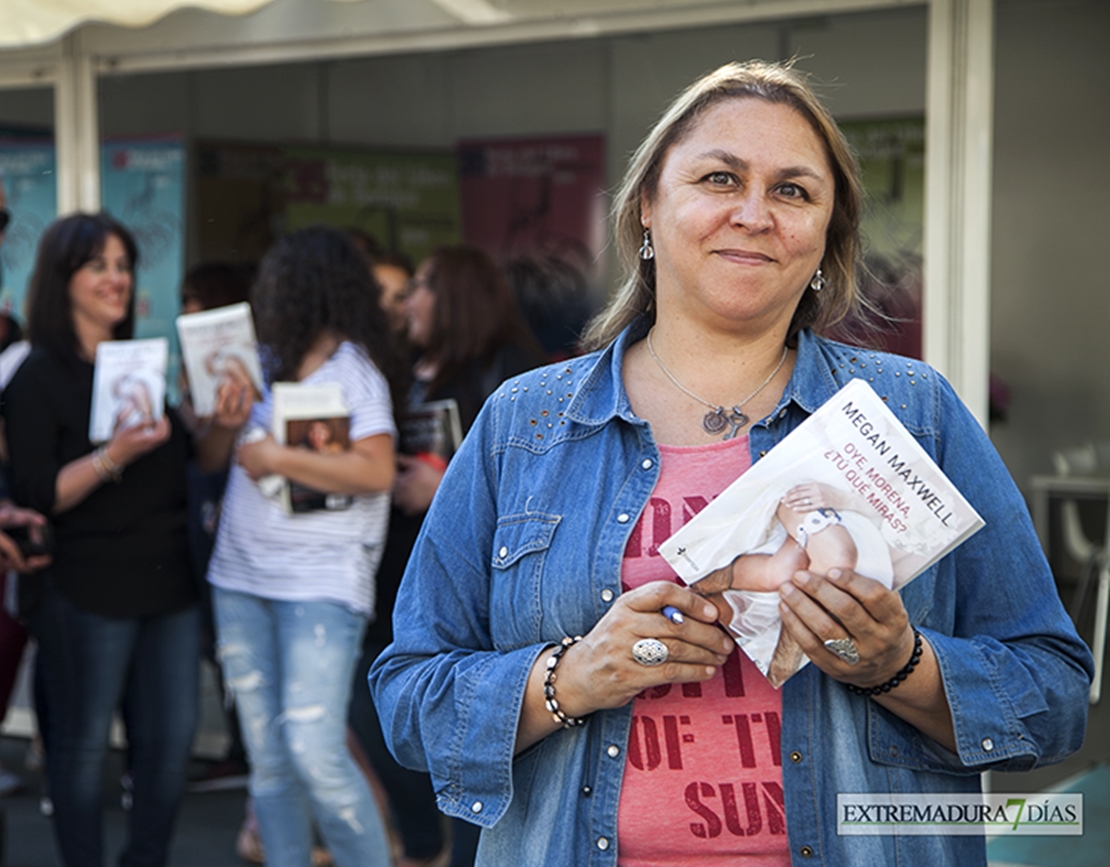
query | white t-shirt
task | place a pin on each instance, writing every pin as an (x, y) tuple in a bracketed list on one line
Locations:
[(322, 555)]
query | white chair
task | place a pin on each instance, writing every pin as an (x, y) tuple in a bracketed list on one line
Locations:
[(1087, 460)]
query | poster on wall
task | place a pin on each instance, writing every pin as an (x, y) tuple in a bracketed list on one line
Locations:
[(27, 170), (891, 154), (143, 187), (539, 206), (409, 202)]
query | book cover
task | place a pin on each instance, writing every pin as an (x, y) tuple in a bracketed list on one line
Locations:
[(212, 342), (431, 431), (848, 488), (129, 385), (311, 417)]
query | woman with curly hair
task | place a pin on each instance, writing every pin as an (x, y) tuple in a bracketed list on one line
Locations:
[(293, 593)]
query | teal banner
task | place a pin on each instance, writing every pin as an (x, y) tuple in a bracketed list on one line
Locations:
[(27, 170)]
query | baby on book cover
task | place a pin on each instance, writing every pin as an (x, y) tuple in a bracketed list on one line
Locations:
[(129, 385), (849, 488), (326, 436)]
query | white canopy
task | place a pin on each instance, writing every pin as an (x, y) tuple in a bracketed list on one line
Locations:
[(34, 22)]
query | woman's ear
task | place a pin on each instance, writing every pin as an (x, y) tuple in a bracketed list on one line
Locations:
[(645, 210)]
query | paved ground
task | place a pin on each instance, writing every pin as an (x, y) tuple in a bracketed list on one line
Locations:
[(205, 836)]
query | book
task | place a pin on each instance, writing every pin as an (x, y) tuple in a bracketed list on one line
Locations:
[(431, 431), (311, 417), (213, 341), (129, 385), (849, 487)]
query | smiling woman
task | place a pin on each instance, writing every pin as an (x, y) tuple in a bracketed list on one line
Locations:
[(739, 217), (624, 736), (115, 620)]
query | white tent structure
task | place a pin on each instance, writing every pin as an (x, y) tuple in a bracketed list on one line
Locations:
[(70, 44)]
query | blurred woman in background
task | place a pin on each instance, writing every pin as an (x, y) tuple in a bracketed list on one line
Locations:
[(468, 334), (117, 620), (293, 592)]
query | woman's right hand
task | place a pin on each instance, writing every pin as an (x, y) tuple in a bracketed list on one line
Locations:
[(234, 400), (600, 672), (129, 444)]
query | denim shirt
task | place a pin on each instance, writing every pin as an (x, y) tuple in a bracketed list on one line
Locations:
[(523, 546)]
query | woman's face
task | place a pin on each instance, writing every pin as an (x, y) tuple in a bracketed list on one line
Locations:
[(100, 290), (318, 435), (739, 215), (420, 306), (394, 280)]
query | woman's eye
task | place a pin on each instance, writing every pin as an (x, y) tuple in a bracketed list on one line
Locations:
[(720, 179), (793, 191)]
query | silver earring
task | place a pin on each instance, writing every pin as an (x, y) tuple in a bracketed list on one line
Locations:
[(818, 281), (647, 251)]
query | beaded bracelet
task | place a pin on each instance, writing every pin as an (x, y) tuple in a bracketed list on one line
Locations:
[(567, 722), (902, 674), (106, 469)]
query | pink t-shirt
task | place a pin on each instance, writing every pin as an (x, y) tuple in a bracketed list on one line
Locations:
[(703, 777)]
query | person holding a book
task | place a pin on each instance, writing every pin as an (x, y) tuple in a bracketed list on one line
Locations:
[(568, 694), (116, 618), (468, 334), (293, 590), (811, 526)]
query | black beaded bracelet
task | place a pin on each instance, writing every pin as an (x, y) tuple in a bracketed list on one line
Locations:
[(567, 722), (902, 674)]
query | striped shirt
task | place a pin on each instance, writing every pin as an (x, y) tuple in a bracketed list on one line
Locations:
[(322, 555)]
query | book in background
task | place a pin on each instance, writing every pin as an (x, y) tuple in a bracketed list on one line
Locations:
[(212, 343), (431, 431), (129, 385), (312, 417), (848, 488)]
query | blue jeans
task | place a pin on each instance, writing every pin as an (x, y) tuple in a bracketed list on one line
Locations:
[(289, 666), (91, 665)]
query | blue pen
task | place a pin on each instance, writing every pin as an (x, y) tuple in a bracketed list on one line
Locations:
[(673, 614)]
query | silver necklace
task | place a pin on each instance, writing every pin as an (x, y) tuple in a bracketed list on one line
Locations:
[(717, 419)]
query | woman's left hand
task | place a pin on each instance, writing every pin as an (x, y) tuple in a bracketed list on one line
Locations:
[(257, 458), (816, 609), (416, 484)]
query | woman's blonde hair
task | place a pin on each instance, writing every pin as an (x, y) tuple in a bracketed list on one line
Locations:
[(773, 82)]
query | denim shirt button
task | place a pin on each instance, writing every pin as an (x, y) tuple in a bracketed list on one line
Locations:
[(606, 595), (602, 843), (476, 807), (647, 463), (987, 744), (613, 751), (623, 518), (795, 757), (806, 851), (587, 791)]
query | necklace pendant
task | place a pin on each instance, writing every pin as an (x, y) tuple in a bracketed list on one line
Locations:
[(715, 421), (737, 420)]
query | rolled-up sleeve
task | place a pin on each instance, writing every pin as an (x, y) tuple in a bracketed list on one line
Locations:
[(1015, 672), (448, 699)]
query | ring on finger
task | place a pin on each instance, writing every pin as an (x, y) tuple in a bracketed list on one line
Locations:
[(844, 648), (650, 652)]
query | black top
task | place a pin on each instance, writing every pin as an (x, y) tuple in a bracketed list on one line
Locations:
[(469, 387), (122, 551)]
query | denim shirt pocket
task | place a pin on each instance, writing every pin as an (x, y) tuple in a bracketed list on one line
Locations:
[(520, 546)]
